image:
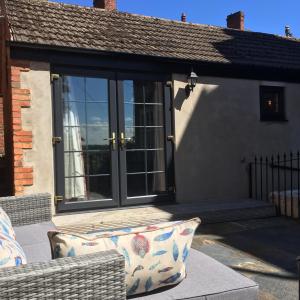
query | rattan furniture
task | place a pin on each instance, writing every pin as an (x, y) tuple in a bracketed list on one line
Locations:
[(96, 276)]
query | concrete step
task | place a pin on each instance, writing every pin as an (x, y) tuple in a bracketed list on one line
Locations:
[(210, 211)]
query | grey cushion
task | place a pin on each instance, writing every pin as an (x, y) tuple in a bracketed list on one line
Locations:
[(208, 279), (34, 241)]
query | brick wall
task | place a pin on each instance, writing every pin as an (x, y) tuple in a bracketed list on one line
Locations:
[(22, 139), (1, 128)]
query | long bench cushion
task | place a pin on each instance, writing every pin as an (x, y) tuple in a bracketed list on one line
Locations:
[(34, 241), (207, 279)]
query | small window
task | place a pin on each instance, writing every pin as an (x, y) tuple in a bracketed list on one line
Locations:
[(272, 103)]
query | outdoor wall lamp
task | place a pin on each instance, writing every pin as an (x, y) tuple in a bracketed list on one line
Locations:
[(192, 81)]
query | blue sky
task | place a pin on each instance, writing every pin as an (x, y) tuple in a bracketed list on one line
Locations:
[(261, 15)]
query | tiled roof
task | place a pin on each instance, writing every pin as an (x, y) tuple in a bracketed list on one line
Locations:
[(46, 23)]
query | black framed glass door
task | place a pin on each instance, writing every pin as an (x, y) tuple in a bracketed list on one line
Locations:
[(143, 116), (113, 148)]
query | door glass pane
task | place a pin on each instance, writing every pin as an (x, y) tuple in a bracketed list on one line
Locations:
[(99, 162), (135, 137), (153, 92), (97, 114), (155, 138), (136, 185), (144, 130), (75, 163), (134, 114), (155, 160), (97, 137), (73, 88), (99, 188), (75, 189), (74, 144), (136, 161), (156, 183), (96, 90), (86, 133), (154, 115)]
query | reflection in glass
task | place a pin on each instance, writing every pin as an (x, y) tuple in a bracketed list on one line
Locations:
[(97, 114), (70, 143), (136, 136), (73, 88), (134, 114), (97, 137), (96, 90), (86, 128)]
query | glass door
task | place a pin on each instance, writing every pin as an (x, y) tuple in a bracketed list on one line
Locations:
[(87, 176), (113, 144), (145, 150)]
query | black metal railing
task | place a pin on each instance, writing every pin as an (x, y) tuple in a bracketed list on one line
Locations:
[(276, 179)]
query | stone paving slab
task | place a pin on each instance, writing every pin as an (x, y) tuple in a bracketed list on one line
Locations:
[(264, 250)]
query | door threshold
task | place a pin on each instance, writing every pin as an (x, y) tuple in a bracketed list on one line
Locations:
[(120, 208)]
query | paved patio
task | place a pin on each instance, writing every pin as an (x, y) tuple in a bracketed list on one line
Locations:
[(264, 250)]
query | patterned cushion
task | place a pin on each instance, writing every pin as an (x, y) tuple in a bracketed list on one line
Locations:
[(5, 224), (11, 253), (154, 255)]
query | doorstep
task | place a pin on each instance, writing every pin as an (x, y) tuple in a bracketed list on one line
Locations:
[(209, 211)]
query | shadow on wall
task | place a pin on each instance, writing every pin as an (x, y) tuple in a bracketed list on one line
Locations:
[(218, 132)]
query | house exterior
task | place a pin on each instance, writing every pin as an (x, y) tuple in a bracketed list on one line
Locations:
[(96, 109)]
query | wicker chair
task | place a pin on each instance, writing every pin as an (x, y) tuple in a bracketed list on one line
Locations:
[(96, 276)]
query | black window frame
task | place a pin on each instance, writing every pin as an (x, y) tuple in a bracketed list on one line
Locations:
[(266, 116)]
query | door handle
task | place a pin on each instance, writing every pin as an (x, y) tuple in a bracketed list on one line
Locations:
[(123, 139), (112, 140)]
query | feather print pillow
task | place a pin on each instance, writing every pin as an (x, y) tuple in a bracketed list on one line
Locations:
[(5, 224), (11, 253), (154, 255)]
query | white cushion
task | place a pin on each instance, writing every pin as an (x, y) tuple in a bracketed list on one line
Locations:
[(155, 255)]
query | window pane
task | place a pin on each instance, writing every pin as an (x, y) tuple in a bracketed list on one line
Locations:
[(74, 164), (74, 114), (154, 115), (99, 163), (153, 92), (96, 90), (99, 188), (156, 183), (74, 138), (75, 189), (136, 185), (135, 161), (136, 136), (155, 161), (73, 88), (97, 114), (155, 138), (98, 137), (134, 114)]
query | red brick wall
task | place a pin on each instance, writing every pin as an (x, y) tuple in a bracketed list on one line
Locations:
[(22, 140)]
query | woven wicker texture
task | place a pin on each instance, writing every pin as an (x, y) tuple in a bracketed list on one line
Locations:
[(97, 276), (26, 210)]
